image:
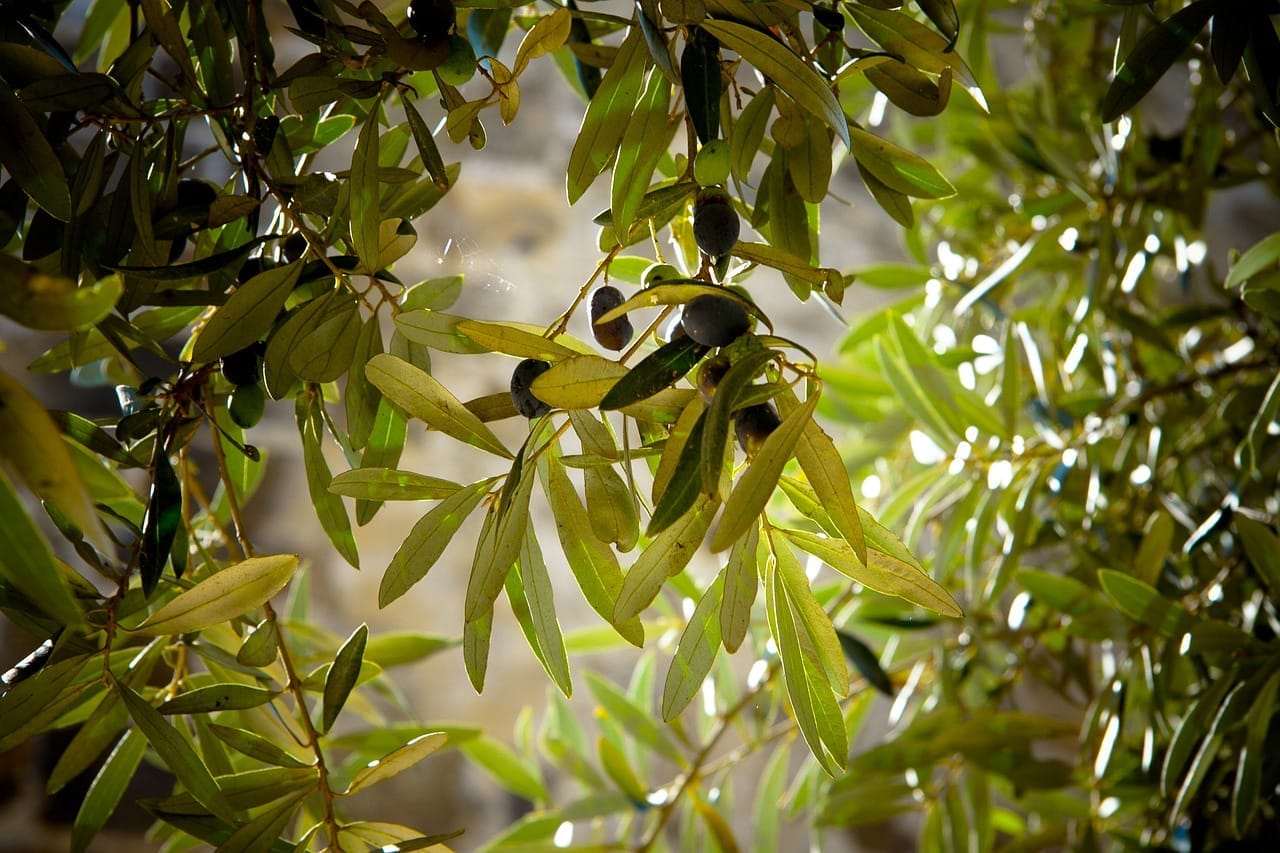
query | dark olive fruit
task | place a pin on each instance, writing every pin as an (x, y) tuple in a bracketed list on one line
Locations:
[(431, 19), (709, 376), (753, 425), (521, 394), (672, 328), (660, 274), (714, 321), (829, 18), (243, 367), (192, 193), (293, 247), (246, 405), (715, 222), (615, 334)]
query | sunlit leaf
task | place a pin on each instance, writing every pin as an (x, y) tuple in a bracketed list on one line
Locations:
[(396, 762), (666, 556), (423, 397), (248, 314), (787, 72), (761, 477), (427, 540), (695, 652), (229, 593)]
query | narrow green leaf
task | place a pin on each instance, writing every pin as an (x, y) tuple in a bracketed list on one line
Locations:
[(636, 721), (531, 595), (665, 557), (476, 636), (262, 833), (248, 314), (427, 149), (107, 788), (365, 192), (177, 754), (342, 676), (695, 652), (490, 566), (741, 582), (30, 160), (27, 562), (52, 303), (223, 596), (897, 168), (389, 484), (514, 339), (329, 508), (604, 121), (825, 470), (217, 697), (656, 371), (715, 433), (382, 450), (866, 662), (885, 573), (822, 642), (683, 482), (396, 762), (422, 397), (761, 477), (497, 759), (776, 62), (1245, 791), (427, 540), (1153, 55), (1141, 602), (594, 565), (255, 746), (700, 77), (644, 142), (31, 444)]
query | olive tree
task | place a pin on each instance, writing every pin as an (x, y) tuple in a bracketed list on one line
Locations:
[(1062, 427)]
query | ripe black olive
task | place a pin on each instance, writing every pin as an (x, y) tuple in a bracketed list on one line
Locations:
[(753, 425), (615, 334), (521, 395), (243, 366), (715, 223), (709, 376), (714, 321), (432, 19)]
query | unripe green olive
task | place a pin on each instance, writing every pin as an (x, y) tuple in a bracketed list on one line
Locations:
[(709, 376), (521, 393), (460, 65), (617, 333), (753, 425), (715, 223), (246, 405), (660, 274), (712, 163), (714, 321)]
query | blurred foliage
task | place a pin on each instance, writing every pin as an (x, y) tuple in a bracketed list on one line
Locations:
[(1063, 425)]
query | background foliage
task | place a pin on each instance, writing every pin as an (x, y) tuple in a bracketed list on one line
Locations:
[(1063, 426)]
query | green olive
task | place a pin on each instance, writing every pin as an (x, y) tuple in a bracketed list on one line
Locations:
[(712, 163), (246, 405), (660, 274), (460, 65)]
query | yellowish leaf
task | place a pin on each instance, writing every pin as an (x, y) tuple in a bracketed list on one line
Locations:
[(231, 592)]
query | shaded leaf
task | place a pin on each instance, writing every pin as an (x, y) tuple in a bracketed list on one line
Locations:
[(342, 676), (695, 652), (427, 540)]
